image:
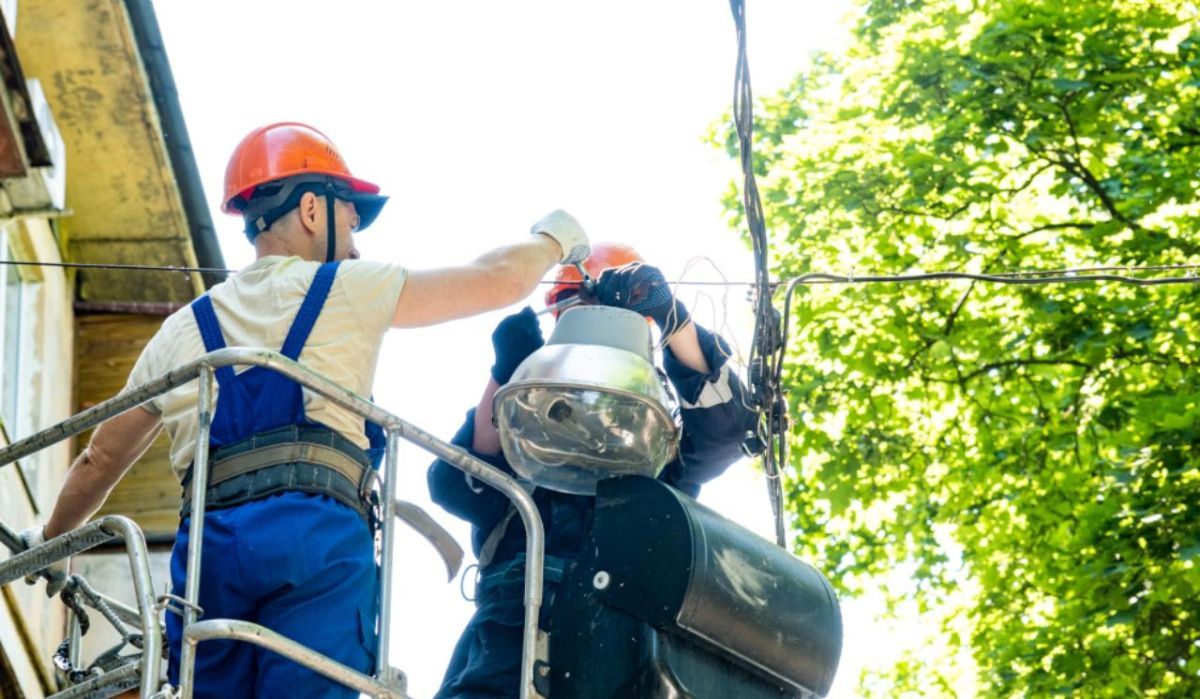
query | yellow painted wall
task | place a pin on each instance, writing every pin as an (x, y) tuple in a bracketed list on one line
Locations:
[(107, 345), (27, 617), (120, 185), (125, 207)]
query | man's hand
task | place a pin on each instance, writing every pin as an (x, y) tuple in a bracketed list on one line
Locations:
[(642, 289), (567, 232), (515, 338), (36, 536)]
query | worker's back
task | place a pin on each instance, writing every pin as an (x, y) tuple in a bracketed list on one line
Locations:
[(256, 308)]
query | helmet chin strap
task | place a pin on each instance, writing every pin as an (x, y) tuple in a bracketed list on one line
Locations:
[(331, 227)]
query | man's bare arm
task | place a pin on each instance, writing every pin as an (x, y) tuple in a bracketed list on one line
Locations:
[(497, 279), (116, 444)]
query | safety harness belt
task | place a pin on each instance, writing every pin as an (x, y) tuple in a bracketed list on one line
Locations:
[(299, 453)]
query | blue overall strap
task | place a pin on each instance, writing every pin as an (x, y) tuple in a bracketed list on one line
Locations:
[(210, 332), (377, 439), (306, 317)]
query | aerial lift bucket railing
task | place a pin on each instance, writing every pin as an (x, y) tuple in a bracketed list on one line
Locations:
[(144, 673), (385, 683)]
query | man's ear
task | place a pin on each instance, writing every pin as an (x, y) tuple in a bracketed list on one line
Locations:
[(308, 210)]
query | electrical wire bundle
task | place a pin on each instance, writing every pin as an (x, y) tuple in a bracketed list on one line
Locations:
[(766, 351)]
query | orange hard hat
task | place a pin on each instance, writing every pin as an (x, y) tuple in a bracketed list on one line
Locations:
[(604, 256), (290, 149)]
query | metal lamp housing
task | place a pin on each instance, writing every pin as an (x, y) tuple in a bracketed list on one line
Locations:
[(588, 405)]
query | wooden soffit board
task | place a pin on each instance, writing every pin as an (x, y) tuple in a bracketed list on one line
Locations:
[(121, 190), (106, 347)]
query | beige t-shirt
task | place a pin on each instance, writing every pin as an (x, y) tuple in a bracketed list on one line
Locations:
[(255, 308)]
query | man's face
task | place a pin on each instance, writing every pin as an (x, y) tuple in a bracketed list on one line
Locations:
[(312, 216), (346, 218)]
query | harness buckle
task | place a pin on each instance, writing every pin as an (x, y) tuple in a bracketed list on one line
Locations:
[(370, 488)]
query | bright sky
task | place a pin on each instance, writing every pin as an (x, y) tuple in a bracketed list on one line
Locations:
[(478, 117)]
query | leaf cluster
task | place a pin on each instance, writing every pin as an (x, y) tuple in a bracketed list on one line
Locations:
[(1040, 442)]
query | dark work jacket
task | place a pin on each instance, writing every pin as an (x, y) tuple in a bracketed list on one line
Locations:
[(715, 417)]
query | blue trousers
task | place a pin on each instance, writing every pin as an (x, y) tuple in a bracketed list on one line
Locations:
[(301, 565)]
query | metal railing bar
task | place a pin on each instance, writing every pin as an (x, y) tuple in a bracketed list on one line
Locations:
[(10, 539), (89, 536), (387, 513), (534, 542), (457, 457), (233, 629), (39, 557), (107, 685), (204, 406), (143, 588), (94, 599), (75, 640)]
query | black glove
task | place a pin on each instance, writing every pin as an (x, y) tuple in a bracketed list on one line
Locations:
[(514, 339), (642, 289)]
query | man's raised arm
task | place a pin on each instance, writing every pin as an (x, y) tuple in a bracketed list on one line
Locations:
[(496, 279)]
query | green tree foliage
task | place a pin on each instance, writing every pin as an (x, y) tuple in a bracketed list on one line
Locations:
[(1040, 442)]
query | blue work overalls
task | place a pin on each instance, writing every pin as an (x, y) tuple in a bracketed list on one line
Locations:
[(301, 564)]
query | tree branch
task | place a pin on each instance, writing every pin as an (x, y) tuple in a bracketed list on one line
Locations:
[(1076, 167), (1022, 362), (1080, 225), (957, 307), (1028, 182)]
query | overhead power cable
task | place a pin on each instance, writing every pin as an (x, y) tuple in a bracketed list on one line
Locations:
[(117, 265), (1029, 276), (1063, 276)]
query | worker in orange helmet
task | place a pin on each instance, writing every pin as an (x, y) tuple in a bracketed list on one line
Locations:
[(289, 528), (715, 420)]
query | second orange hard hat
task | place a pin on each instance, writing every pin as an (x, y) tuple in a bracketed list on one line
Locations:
[(604, 256)]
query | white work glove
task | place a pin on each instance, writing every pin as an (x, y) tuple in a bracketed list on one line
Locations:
[(36, 536), (567, 232)]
